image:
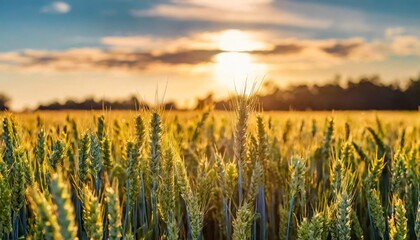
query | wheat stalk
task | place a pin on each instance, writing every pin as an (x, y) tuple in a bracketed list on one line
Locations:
[(64, 207), (92, 215), (114, 212), (45, 210), (242, 223), (5, 203), (398, 221)]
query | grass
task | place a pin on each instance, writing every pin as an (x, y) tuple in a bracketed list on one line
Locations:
[(210, 175)]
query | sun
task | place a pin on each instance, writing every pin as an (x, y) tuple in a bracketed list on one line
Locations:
[(233, 40), (236, 67), (237, 71)]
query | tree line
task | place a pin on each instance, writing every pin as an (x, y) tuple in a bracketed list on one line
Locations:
[(368, 93)]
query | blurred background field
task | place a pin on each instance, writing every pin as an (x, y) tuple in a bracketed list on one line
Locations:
[(361, 118)]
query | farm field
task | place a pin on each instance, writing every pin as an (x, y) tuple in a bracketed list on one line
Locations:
[(210, 175), (209, 120)]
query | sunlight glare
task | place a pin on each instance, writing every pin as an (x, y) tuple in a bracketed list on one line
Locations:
[(238, 41), (237, 70)]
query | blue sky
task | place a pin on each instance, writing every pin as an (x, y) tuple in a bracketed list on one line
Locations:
[(54, 50)]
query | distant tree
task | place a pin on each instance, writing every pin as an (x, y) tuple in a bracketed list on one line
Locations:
[(367, 93), (131, 103), (413, 93), (4, 100), (169, 106)]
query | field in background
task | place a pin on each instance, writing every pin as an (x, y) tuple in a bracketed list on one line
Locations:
[(88, 117), (210, 175)]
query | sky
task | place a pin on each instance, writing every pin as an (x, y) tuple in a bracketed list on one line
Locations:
[(57, 50)]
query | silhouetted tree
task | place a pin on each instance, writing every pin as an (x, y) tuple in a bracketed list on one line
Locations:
[(4, 100), (132, 103), (366, 94)]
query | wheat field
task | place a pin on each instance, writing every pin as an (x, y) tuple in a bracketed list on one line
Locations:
[(245, 174)]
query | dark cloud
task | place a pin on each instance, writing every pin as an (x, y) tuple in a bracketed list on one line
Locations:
[(188, 56), (115, 59), (40, 59), (341, 49), (122, 63), (126, 60), (281, 49)]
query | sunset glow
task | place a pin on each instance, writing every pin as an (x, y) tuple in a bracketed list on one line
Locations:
[(119, 48), (237, 70), (238, 41), (209, 119)]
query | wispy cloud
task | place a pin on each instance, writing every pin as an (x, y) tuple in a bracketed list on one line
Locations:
[(57, 7), (394, 31), (231, 11), (290, 53), (148, 53), (406, 45), (157, 44), (202, 40)]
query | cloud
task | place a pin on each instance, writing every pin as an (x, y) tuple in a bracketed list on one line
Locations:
[(406, 45), (225, 5), (394, 31), (157, 45), (342, 49), (282, 48), (204, 40), (236, 11), (312, 54), (133, 42), (198, 52), (91, 59), (188, 57), (57, 7), (85, 59), (400, 43), (112, 60)]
